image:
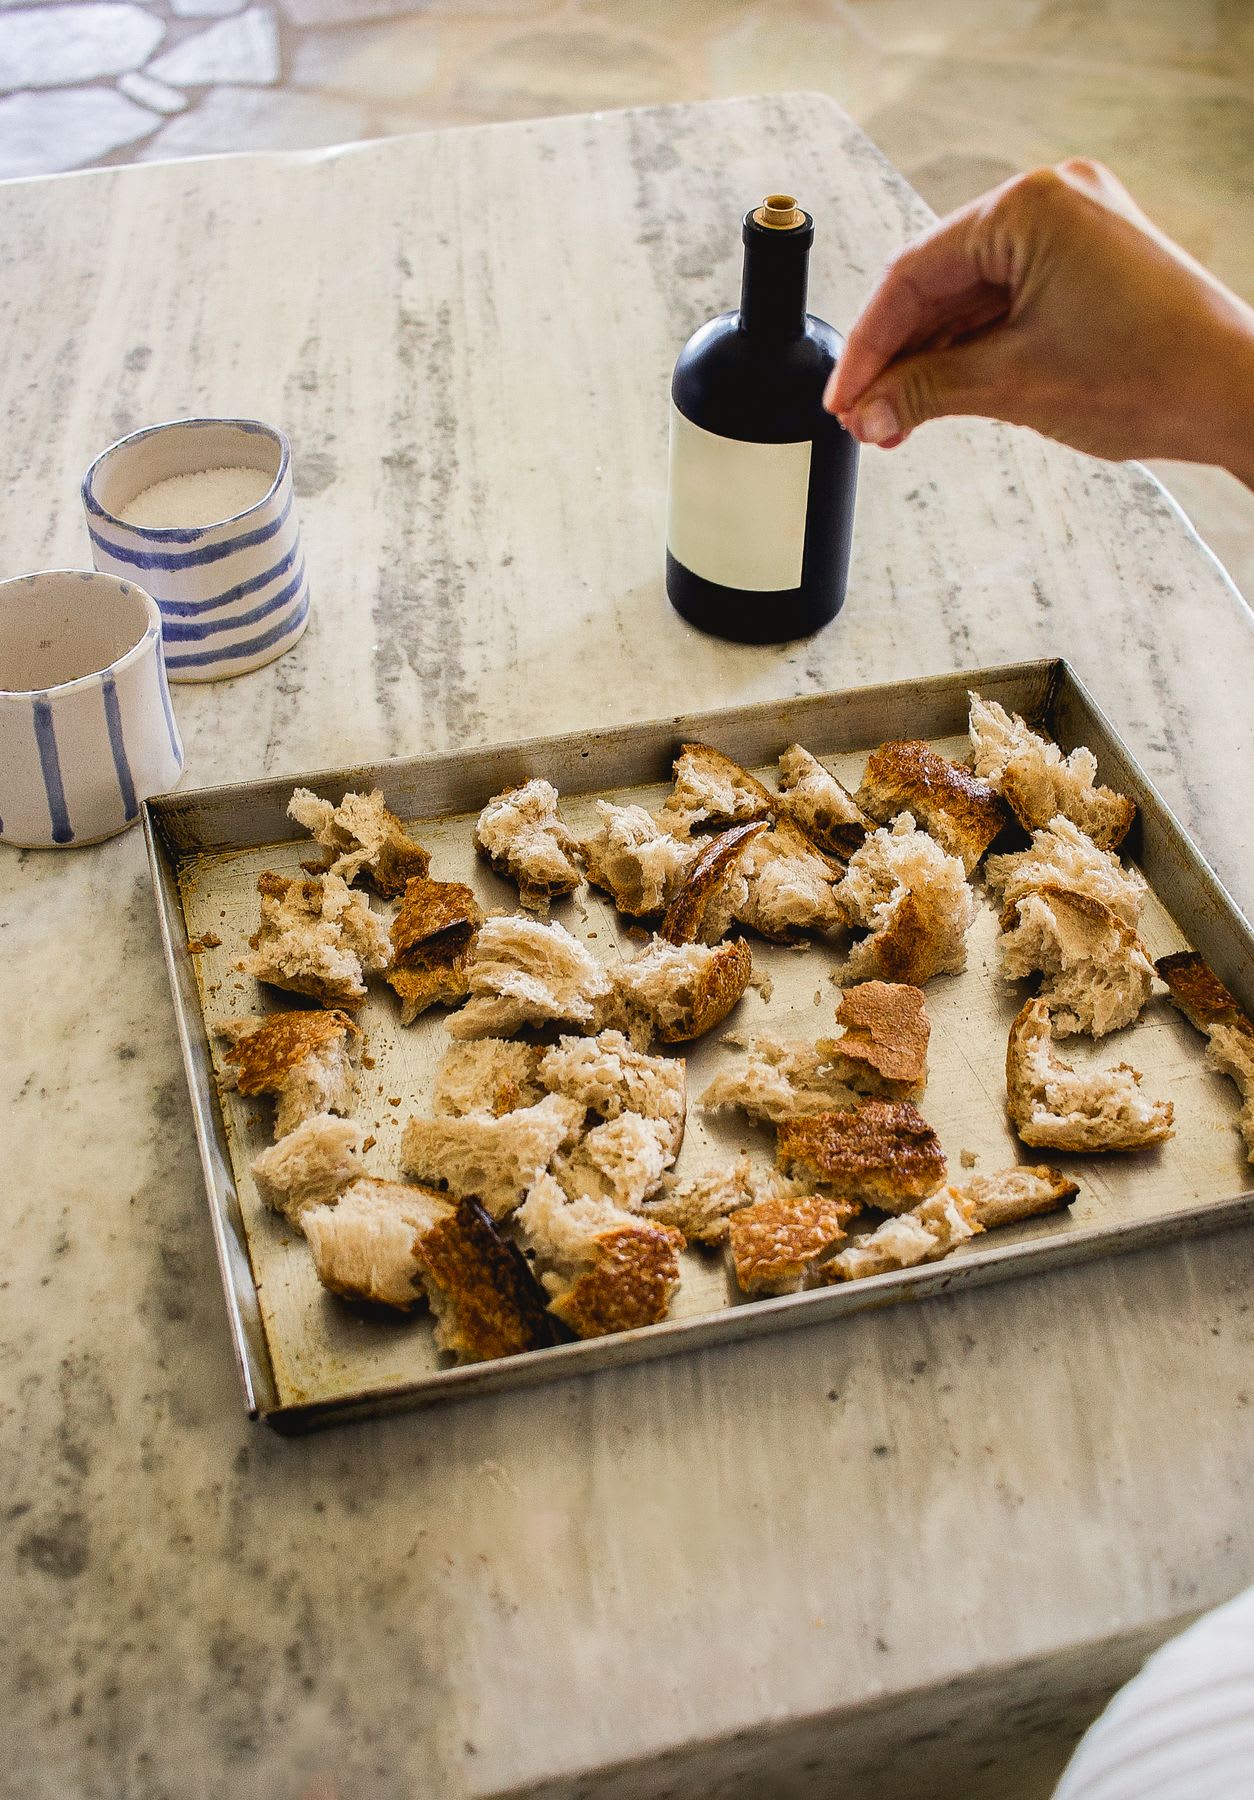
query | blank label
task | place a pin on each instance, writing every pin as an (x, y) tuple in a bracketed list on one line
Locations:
[(737, 510)]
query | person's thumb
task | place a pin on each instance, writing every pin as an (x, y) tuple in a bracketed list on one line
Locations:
[(930, 385)]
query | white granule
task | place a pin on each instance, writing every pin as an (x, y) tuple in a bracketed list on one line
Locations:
[(204, 497)]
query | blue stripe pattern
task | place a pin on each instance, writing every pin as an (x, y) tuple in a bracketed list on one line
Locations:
[(192, 559), (50, 764), (191, 609), (117, 744), (201, 631), (200, 659)]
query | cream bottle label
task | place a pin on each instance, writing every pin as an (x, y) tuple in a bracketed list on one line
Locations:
[(737, 510)]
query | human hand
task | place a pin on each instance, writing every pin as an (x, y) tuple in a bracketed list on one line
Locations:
[(1054, 302)]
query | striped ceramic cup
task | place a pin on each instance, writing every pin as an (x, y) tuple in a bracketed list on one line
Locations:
[(200, 511), (86, 726)]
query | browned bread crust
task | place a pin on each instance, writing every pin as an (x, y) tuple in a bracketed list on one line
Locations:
[(775, 1242), (906, 948), (884, 1045), (1035, 796), (961, 811), (482, 1289), (1198, 992), (400, 859), (420, 988), (431, 938), (712, 789), (687, 912), (720, 987), (1023, 1192), (261, 1059), (821, 805), (884, 1152), (630, 1284), (367, 841), (1104, 1109), (434, 918)]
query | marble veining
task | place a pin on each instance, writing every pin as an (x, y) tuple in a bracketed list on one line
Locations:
[(731, 1562)]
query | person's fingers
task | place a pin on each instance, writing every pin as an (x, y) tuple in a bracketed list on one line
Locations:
[(942, 277), (980, 377)]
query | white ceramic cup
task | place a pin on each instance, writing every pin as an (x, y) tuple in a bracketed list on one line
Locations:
[(233, 593), (86, 726)]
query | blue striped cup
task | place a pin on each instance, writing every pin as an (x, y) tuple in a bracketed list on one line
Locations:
[(232, 591), (86, 726)]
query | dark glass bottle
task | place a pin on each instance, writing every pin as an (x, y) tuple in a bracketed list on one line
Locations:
[(762, 480)]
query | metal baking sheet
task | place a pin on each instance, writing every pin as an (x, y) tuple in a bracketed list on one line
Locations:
[(307, 1359)]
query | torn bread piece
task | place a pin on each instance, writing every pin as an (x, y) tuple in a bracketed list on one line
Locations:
[(784, 888), (365, 1246), (711, 789), (605, 1269), (623, 1159), (883, 1048), (775, 1243), (1062, 856), (488, 1076), (1095, 972), (915, 902), (481, 1289), (1052, 1104), (700, 1207), (492, 1160), (521, 972), (431, 938), (883, 1152), (609, 1076), (636, 861), (524, 837), (1199, 994), (780, 1078), (1038, 782), (960, 810), (701, 908), (1211, 1008), (394, 1245), (924, 1234), (307, 1060), (311, 1165), (316, 937), (820, 805), (368, 841), (676, 992), (1023, 1192)]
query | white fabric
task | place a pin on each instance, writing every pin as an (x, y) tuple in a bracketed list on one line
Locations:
[(1183, 1729)]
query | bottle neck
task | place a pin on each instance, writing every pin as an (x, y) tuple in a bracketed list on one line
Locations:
[(776, 277)]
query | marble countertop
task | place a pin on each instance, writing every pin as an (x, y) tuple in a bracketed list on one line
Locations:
[(929, 1538)]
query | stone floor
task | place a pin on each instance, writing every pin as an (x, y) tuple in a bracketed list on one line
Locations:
[(959, 94)]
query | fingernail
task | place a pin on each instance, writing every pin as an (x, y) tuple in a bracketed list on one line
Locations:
[(878, 422), (829, 393)]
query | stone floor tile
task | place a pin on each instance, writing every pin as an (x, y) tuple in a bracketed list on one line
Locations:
[(790, 46), (231, 118), (666, 18), (206, 9), (343, 12), (388, 63), (149, 92), (239, 51), (55, 46), (67, 128), (560, 71)]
